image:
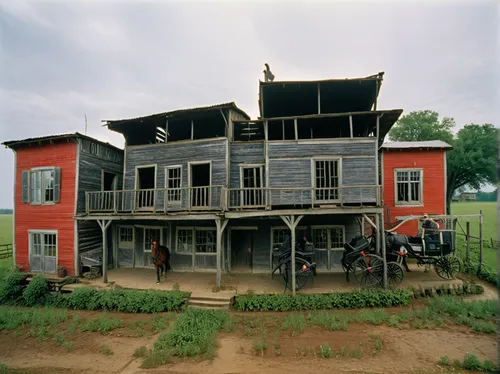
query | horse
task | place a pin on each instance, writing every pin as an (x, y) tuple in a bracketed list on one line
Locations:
[(161, 259)]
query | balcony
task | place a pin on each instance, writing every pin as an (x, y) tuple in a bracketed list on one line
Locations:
[(218, 198)]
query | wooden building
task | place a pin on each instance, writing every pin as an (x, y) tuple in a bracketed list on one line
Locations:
[(52, 174), (414, 180), (467, 196), (222, 190)]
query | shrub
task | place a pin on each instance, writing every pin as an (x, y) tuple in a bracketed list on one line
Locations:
[(142, 351), (11, 290), (36, 291), (471, 362), (333, 300), (325, 350)]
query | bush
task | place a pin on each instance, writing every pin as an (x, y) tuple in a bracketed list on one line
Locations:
[(332, 300), (11, 291), (36, 291)]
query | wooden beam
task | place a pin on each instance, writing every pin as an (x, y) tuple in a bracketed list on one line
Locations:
[(369, 221), (480, 266), (295, 128), (384, 250), (104, 226), (377, 234), (292, 223), (192, 130), (319, 99), (166, 135), (221, 225), (350, 126)]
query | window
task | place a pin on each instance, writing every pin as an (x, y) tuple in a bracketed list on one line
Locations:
[(199, 240), (328, 238), (151, 235), (126, 234), (43, 244), (408, 186), (280, 234), (173, 184), (42, 186), (251, 183), (327, 180)]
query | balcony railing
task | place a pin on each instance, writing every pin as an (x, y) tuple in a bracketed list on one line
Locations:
[(155, 200), (218, 198)]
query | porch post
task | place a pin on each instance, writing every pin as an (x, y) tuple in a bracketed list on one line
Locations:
[(221, 224), (384, 257), (104, 226), (292, 222), (377, 234)]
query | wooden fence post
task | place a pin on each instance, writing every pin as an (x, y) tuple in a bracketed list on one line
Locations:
[(480, 266), (467, 243)]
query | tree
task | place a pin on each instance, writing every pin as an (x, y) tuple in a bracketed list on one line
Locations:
[(473, 160), (423, 125)]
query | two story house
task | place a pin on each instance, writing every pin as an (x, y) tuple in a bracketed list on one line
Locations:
[(222, 190), (52, 174)]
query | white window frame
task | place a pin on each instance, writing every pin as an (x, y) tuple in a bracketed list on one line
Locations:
[(412, 203), (173, 202), (329, 239), (42, 188), (125, 245), (193, 250), (313, 178), (144, 228), (42, 232)]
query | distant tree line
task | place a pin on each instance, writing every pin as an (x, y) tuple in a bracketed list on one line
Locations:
[(487, 196), (6, 211)]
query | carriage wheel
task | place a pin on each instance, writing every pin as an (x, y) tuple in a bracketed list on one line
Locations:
[(368, 270), (395, 274), (302, 274), (447, 267)]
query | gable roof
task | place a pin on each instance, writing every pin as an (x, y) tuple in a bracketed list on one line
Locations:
[(430, 144), (231, 105), (16, 144)]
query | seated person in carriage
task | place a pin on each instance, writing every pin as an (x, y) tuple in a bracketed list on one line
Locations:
[(429, 223)]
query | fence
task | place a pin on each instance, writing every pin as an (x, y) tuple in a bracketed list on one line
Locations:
[(5, 251)]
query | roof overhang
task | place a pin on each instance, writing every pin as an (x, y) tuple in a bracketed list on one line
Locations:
[(430, 145)]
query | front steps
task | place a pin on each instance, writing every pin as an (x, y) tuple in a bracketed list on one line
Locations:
[(207, 301)]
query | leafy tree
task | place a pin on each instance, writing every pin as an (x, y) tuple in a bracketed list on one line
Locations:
[(423, 125), (473, 160)]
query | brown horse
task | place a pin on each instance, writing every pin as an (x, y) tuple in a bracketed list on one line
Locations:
[(161, 260)]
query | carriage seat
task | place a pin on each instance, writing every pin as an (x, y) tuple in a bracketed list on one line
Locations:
[(362, 243), (399, 239)]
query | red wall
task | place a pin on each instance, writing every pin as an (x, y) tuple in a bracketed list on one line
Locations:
[(47, 217), (433, 164)]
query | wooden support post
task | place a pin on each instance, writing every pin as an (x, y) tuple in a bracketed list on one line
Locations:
[(384, 252), (467, 243), (350, 126), (192, 130), (104, 226), (166, 135), (377, 234), (319, 99), (221, 225), (283, 128), (377, 166), (292, 222), (480, 265), (295, 127)]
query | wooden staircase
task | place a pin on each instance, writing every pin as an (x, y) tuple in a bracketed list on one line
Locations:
[(208, 301)]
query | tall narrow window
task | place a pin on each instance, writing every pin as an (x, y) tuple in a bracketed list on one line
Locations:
[(174, 184), (151, 235), (252, 193), (42, 186), (409, 186), (327, 180)]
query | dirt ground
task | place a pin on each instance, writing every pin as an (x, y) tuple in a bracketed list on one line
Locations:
[(363, 348)]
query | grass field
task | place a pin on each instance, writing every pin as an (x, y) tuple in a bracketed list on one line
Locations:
[(5, 238)]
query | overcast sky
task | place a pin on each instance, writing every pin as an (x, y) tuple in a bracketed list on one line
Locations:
[(113, 59)]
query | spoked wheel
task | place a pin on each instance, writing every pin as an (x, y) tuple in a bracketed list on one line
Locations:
[(302, 273), (395, 274), (447, 267), (368, 270)]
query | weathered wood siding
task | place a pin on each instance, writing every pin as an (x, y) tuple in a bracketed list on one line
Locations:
[(94, 158), (178, 153), (290, 166), (89, 236), (244, 153)]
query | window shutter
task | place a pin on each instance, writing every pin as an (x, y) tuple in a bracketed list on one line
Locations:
[(57, 185), (26, 180)]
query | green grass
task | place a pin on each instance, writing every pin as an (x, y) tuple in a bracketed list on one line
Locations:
[(5, 228)]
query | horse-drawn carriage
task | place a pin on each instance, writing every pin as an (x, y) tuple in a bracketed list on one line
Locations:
[(431, 247), (305, 266)]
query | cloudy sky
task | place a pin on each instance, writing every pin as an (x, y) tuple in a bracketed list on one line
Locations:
[(116, 59)]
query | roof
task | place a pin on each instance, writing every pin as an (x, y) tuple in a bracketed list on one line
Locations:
[(430, 144), (14, 144), (378, 76), (231, 105)]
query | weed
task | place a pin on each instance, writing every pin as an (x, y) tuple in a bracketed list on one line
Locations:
[(36, 291), (325, 350), (103, 324), (277, 350), (378, 344), (160, 323), (59, 340), (328, 320), (444, 361), (342, 351), (374, 317), (156, 358), (138, 327), (394, 321), (17, 333), (142, 351), (295, 322), (260, 346), (69, 346), (489, 366), (3, 369), (358, 351), (471, 362), (105, 350)]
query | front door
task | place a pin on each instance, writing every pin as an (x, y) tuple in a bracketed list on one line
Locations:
[(241, 250), (43, 252)]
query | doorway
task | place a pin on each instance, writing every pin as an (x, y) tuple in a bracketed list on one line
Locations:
[(242, 250), (200, 180), (251, 183), (145, 185), (108, 183)]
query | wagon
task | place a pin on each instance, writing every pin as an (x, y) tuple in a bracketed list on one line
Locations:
[(92, 260)]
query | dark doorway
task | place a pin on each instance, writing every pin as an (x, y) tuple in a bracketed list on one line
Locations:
[(200, 182), (241, 250), (145, 184), (108, 181)]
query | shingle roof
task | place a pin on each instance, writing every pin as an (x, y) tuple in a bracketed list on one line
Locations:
[(19, 143), (437, 144)]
